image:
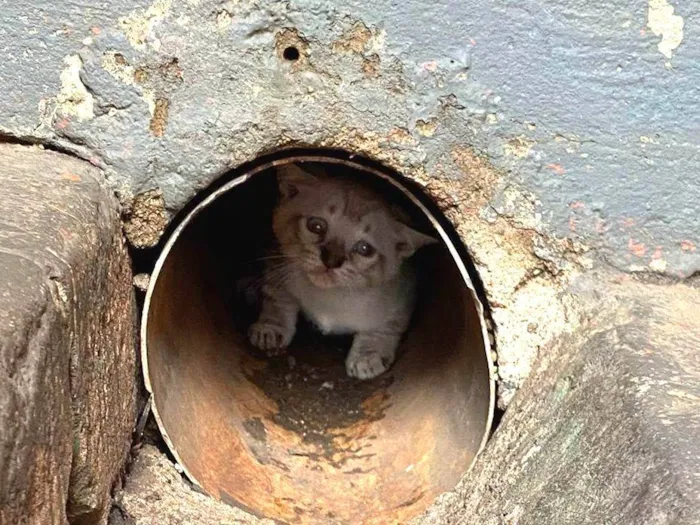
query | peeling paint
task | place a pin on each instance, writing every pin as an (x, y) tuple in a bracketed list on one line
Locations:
[(116, 65), (518, 147), (637, 248), (665, 24), (687, 246), (360, 39), (427, 128), (224, 19), (658, 265), (139, 24), (74, 98)]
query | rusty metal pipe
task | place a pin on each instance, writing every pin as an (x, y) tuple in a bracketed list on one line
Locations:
[(294, 439)]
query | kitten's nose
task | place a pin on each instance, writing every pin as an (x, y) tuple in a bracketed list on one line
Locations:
[(332, 254)]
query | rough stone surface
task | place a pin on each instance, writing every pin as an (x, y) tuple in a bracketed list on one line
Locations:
[(67, 356), (605, 430), (585, 113), (156, 494)]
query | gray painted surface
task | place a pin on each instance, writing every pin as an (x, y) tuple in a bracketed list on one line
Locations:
[(606, 126)]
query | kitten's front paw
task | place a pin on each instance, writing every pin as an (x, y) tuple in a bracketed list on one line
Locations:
[(367, 365), (271, 338)]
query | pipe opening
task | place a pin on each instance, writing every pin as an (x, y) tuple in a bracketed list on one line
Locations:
[(294, 438)]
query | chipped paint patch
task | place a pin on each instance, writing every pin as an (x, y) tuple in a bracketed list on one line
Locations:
[(74, 98), (518, 147), (687, 246), (116, 65), (658, 265), (665, 24), (427, 128), (370, 66), (138, 25), (556, 168), (401, 136), (224, 19), (637, 248), (354, 40), (360, 39)]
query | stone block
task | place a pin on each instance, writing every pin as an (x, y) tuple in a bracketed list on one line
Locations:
[(67, 356), (605, 430)]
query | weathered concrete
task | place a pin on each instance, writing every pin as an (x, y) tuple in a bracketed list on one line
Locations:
[(67, 349), (605, 430), (584, 114), (574, 97)]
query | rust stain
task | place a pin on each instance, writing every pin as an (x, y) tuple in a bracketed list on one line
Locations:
[(687, 246), (637, 248), (159, 120), (577, 205), (556, 168)]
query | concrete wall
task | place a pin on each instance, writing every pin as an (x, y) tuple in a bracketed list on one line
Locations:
[(557, 134)]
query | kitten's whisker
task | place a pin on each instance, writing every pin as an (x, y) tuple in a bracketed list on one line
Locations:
[(277, 276), (282, 256)]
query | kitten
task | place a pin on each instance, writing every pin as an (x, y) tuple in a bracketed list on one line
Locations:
[(343, 264)]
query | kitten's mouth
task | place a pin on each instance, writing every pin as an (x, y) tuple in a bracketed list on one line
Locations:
[(323, 278)]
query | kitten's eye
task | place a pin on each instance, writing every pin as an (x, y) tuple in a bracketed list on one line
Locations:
[(364, 248), (316, 225)]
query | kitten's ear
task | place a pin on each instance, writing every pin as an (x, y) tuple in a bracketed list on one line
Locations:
[(291, 179), (411, 240)]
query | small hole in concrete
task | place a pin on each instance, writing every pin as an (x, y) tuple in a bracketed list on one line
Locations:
[(292, 437), (290, 53)]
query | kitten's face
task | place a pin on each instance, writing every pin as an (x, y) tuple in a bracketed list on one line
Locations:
[(340, 233)]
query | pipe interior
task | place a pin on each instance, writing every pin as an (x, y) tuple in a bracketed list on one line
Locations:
[(292, 438)]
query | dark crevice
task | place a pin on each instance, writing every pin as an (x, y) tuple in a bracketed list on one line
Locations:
[(50, 146)]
